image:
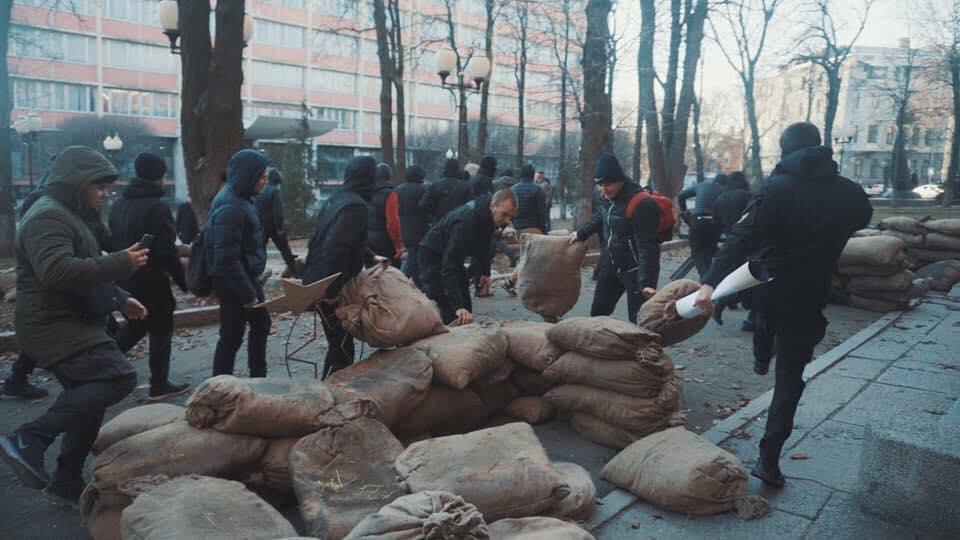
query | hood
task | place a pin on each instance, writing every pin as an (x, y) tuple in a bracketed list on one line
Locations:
[(811, 162), (75, 168), (150, 166), (488, 166), (451, 169), (415, 173), (244, 170), (384, 174), (360, 176), (609, 170), (141, 188), (527, 172), (274, 177), (737, 180)]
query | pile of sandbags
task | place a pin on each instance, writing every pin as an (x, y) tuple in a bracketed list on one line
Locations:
[(614, 381), (529, 350), (549, 274), (872, 274)]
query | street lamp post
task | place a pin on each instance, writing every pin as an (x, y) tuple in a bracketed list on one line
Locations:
[(841, 142), (112, 145), (28, 128), (169, 14), (478, 71)]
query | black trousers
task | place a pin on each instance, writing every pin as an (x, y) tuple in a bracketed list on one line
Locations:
[(283, 245), (411, 265), (704, 235), (611, 285), (234, 319), (340, 348), (430, 276), (92, 381), (158, 299), (794, 337)]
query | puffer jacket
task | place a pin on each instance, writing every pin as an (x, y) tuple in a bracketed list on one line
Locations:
[(531, 206)]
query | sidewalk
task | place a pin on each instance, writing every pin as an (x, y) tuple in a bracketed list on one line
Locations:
[(899, 373)]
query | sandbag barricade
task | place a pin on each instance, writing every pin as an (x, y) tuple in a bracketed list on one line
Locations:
[(466, 353), (882, 282), (136, 420)]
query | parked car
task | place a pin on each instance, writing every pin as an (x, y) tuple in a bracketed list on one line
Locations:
[(874, 190), (928, 191), (902, 194)]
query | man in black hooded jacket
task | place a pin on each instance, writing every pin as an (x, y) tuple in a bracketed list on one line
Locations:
[(140, 210), (339, 245), (482, 182), (795, 226), (704, 232), (269, 205), (413, 224), (445, 194)]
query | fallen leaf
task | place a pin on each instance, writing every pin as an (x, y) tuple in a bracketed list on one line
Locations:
[(735, 386), (937, 413), (799, 456), (698, 380), (679, 367)]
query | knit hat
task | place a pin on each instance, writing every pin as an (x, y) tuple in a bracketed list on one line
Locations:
[(150, 166), (608, 170), (415, 173), (274, 177)]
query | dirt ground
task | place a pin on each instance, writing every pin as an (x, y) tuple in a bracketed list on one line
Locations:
[(714, 366)]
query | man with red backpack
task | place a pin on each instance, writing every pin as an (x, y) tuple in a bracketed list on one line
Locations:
[(633, 225)]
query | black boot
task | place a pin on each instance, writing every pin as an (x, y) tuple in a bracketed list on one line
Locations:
[(760, 367), (65, 489), (24, 453), (770, 474), (22, 390)]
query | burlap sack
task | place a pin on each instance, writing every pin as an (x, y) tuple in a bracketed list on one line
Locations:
[(136, 420), (441, 406), (638, 378), (273, 469), (549, 274), (496, 376), (531, 383), (172, 450), (395, 380), (494, 400), (902, 224), (202, 507), (942, 241), (537, 528), (900, 281), (603, 433), (659, 313), (343, 474), (466, 353), (918, 289), (604, 337), (103, 523), (579, 504), (944, 226), (437, 515), (268, 407), (863, 233), (382, 307), (874, 250), (527, 344), (933, 255), (874, 270), (678, 471), (942, 275), (875, 305), (532, 410), (639, 415), (504, 470), (914, 240)]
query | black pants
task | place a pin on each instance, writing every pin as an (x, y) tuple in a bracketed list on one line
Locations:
[(411, 265), (430, 275), (160, 304), (795, 336), (704, 235), (283, 245), (234, 319), (92, 381), (611, 284), (340, 349)]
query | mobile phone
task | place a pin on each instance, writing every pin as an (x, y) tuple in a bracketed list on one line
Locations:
[(146, 240)]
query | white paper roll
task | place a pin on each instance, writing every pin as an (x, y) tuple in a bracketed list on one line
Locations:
[(686, 307), (740, 279)]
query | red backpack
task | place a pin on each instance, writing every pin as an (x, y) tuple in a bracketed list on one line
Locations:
[(667, 220)]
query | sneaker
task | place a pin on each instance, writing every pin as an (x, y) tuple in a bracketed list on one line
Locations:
[(24, 454), (65, 492), (769, 474), (23, 390), (167, 390)]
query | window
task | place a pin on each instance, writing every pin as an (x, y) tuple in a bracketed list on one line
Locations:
[(876, 72), (891, 134), (141, 11), (138, 56), (475, 8), (345, 118), (543, 108), (270, 74), (138, 103), (80, 7), (51, 45), (540, 54), (857, 168), (873, 132), (52, 96), (332, 44), (336, 82), (343, 9), (874, 168), (426, 126), (332, 161), (371, 87), (278, 34), (538, 81), (915, 137), (932, 137), (503, 75), (433, 95), (371, 122), (281, 110), (297, 4), (505, 104)]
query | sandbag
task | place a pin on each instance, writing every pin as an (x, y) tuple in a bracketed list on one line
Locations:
[(638, 378), (103, 523), (549, 274), (8, 279), (268, 407), (439, 407), (941, 275), (918, 289), (943, 241), (638, 415), (396, 381), (604, 337), (866, 232), (915, 240), (900, 281), (173, 450), (579, 504), (537, 528), (136, 420), (933, 255), (343, 474), (273, 469), (494, 400), (678, 471), (944, 226), (503, 470), (466, 353), (873, 270), (527, 344), (531, 383), (875, 305), (874, 250), (659, 313), (202, 507), (437, 515), (382, 307), (496, 376), (603, 433), (902, 224), (532, 410)]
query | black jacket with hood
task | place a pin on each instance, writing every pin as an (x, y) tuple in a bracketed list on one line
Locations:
[(531, 203), (413, 223), (732, 202), (270, 205), (705, 196), (445, 194), (378, 239)]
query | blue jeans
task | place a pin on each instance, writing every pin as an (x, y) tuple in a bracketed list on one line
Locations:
[(411, 267)]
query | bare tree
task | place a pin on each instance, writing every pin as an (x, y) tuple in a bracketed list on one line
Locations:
[(493, 9), (520, 25), (8, 219), (748, 22), (596, 117), (943, 33), (390, 53), (463, 134)]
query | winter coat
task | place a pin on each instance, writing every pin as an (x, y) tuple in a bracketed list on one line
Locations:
[(531, 206), (731, 203), (187, 226), (443, 196), (705, 195), (796, 226), (235, 252), (141, 210), (270, 208), (413, 222), (480, 184), (58, 255), (383, 227)]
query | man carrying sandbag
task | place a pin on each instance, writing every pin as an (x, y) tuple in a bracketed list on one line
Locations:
[(629, 225), (796, 225), (467, 231), (339, 244)]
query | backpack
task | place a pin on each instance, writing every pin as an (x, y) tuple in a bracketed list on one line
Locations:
[(667, 220), (198, 280)]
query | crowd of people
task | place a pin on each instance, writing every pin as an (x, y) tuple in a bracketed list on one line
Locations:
[(73, 271)]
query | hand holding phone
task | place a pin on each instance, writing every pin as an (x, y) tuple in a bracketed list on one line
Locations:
[(145, 241)]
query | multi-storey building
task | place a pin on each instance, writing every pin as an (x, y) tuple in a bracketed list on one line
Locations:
[(91, 68)]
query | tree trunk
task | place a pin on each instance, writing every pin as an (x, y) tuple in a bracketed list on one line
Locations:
[(833, 100), (697, 147), (8, 217), (396, 41), (196, 53), (670, 86), (386, 83), (756, 167), (520, 71), (648, 99), (485, 93), (596, 118), (638, 140), (951, 184), (564, 174)]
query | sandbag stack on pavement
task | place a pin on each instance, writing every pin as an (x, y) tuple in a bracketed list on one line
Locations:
[(932, 246), (531, 353), (871, 274)]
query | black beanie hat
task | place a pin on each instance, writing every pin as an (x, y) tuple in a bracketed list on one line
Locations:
[(150, 166), (451, 169), (415, 173), (527, 172), (608, 170)]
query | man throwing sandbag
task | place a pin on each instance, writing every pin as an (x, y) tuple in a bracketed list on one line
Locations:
[(796, 225)]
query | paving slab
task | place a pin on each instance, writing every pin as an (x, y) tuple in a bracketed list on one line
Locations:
[(823, 396), (831, 455), (648, 522), (745, 446), (843, 519), (894, 407), (946, 382), (859, 368), (801, 497)]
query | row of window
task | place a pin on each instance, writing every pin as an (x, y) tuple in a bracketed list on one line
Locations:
[(57, 96), (29, 42), (913, 135)]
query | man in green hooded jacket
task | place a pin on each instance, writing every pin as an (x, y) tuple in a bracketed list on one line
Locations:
[(65, 293)]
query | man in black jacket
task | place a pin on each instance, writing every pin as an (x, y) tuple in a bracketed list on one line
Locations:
[(704, 233), (339, 244), (413, 224), (482, 182), (445, 194), (383, 220), (795, 226), (532, 209), (465, 232), (728, 210), (187, 226), (270, 207), (629, 226), (141, 210)]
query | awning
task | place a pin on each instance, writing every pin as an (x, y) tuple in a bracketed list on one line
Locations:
[(276, 127)]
